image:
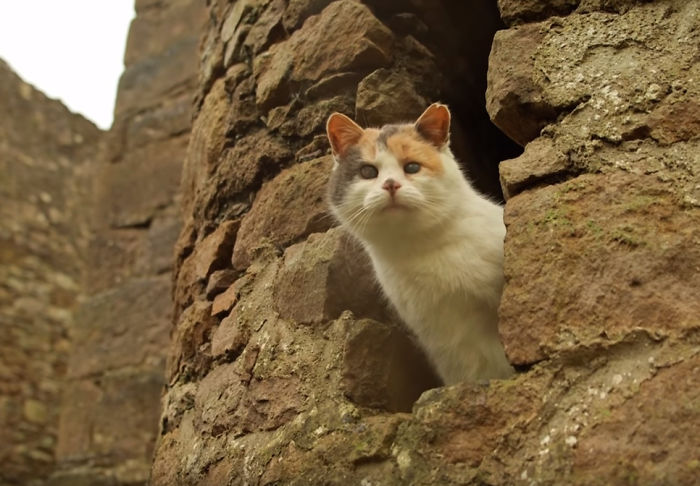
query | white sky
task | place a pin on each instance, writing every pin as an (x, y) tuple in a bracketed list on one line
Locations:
[(72, 50)]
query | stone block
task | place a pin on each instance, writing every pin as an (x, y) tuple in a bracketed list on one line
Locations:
[(132, 191), (125, 326), (327, 274), (519, 11), (383, 367), (152, 32), (515, 101), (287, 208), (541, 163), (644, 439), (595, 258), (388, 96), (111, 417), (311, 52), (211, 254), (146, 83), (189, 354)]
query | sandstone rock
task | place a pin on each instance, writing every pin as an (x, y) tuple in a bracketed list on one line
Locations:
[(133, 190), (384, 368), (387, 96), (144, 84), (188, 355), (287, 208), (219, 281), (124, 326), (516, 102), (172, 24), (518, 11), (541, 163), (230, 337), (597, 257), (324, 276), (213, 253), (312, 53), (641, 439), (299, 10)]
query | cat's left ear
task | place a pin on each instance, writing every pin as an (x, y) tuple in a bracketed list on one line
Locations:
[(434, 124), (342, 133)]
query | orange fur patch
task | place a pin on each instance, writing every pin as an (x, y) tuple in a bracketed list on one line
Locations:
[(407, 146), (368, 143)]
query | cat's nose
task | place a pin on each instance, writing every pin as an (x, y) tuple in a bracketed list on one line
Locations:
[(391, 185)]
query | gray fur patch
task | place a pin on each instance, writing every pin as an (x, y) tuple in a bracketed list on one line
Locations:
[(386, 132), (347, 170)]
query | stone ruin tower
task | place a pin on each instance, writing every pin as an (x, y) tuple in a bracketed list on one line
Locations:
[(202, 321)]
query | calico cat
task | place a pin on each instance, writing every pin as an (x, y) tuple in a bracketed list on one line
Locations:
[(435, 243)]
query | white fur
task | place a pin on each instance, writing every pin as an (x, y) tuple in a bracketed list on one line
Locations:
[(439, 260)]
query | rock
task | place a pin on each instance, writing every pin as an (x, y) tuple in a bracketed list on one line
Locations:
[(188, 355), (651, 421), (219, 281), (383, 367), (387, 96), (289, 207), (230, 337), (519, 11), (617, 230), (144, 84), (312, 51), (541, 163), (212, 253), (515, 101), (327, 274), (124, 326), (132, 191)]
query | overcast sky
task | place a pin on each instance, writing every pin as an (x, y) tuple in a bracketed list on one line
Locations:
[(72, 50)]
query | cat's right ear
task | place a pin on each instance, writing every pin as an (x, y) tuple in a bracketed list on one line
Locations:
[(342, 133)]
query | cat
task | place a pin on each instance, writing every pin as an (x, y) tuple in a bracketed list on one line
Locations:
[(435, 243)]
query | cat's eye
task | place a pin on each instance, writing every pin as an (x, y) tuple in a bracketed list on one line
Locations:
[(411, 167), (368, 171)]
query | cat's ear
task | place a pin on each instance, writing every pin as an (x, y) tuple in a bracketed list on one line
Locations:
[(434, 124), (342, 133)]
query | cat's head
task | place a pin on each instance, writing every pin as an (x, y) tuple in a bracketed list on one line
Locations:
[(398, 179)]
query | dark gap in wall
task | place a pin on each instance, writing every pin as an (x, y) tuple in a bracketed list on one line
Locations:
[(460, 34)]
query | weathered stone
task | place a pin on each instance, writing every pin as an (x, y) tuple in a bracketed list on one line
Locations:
[(613, 261), (514, 99), (156, 31), (219, 281), (541, 163), (267, 29), (213, 253), (517, 11), (188, 356), (299, 10), (144, 84), (230, 337), (325, 275), (46, 153), (133, 190), (287, 208), (641, 440), (384, 368), (123, 326), (311, 52), (387, 96)]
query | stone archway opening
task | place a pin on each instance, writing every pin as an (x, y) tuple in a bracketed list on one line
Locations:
[(445, 48)]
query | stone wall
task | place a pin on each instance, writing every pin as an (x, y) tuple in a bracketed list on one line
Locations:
[(45, 156), (110, 405), (284, 365)]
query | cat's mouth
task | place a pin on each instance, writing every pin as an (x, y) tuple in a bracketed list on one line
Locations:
[(393, 206)]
